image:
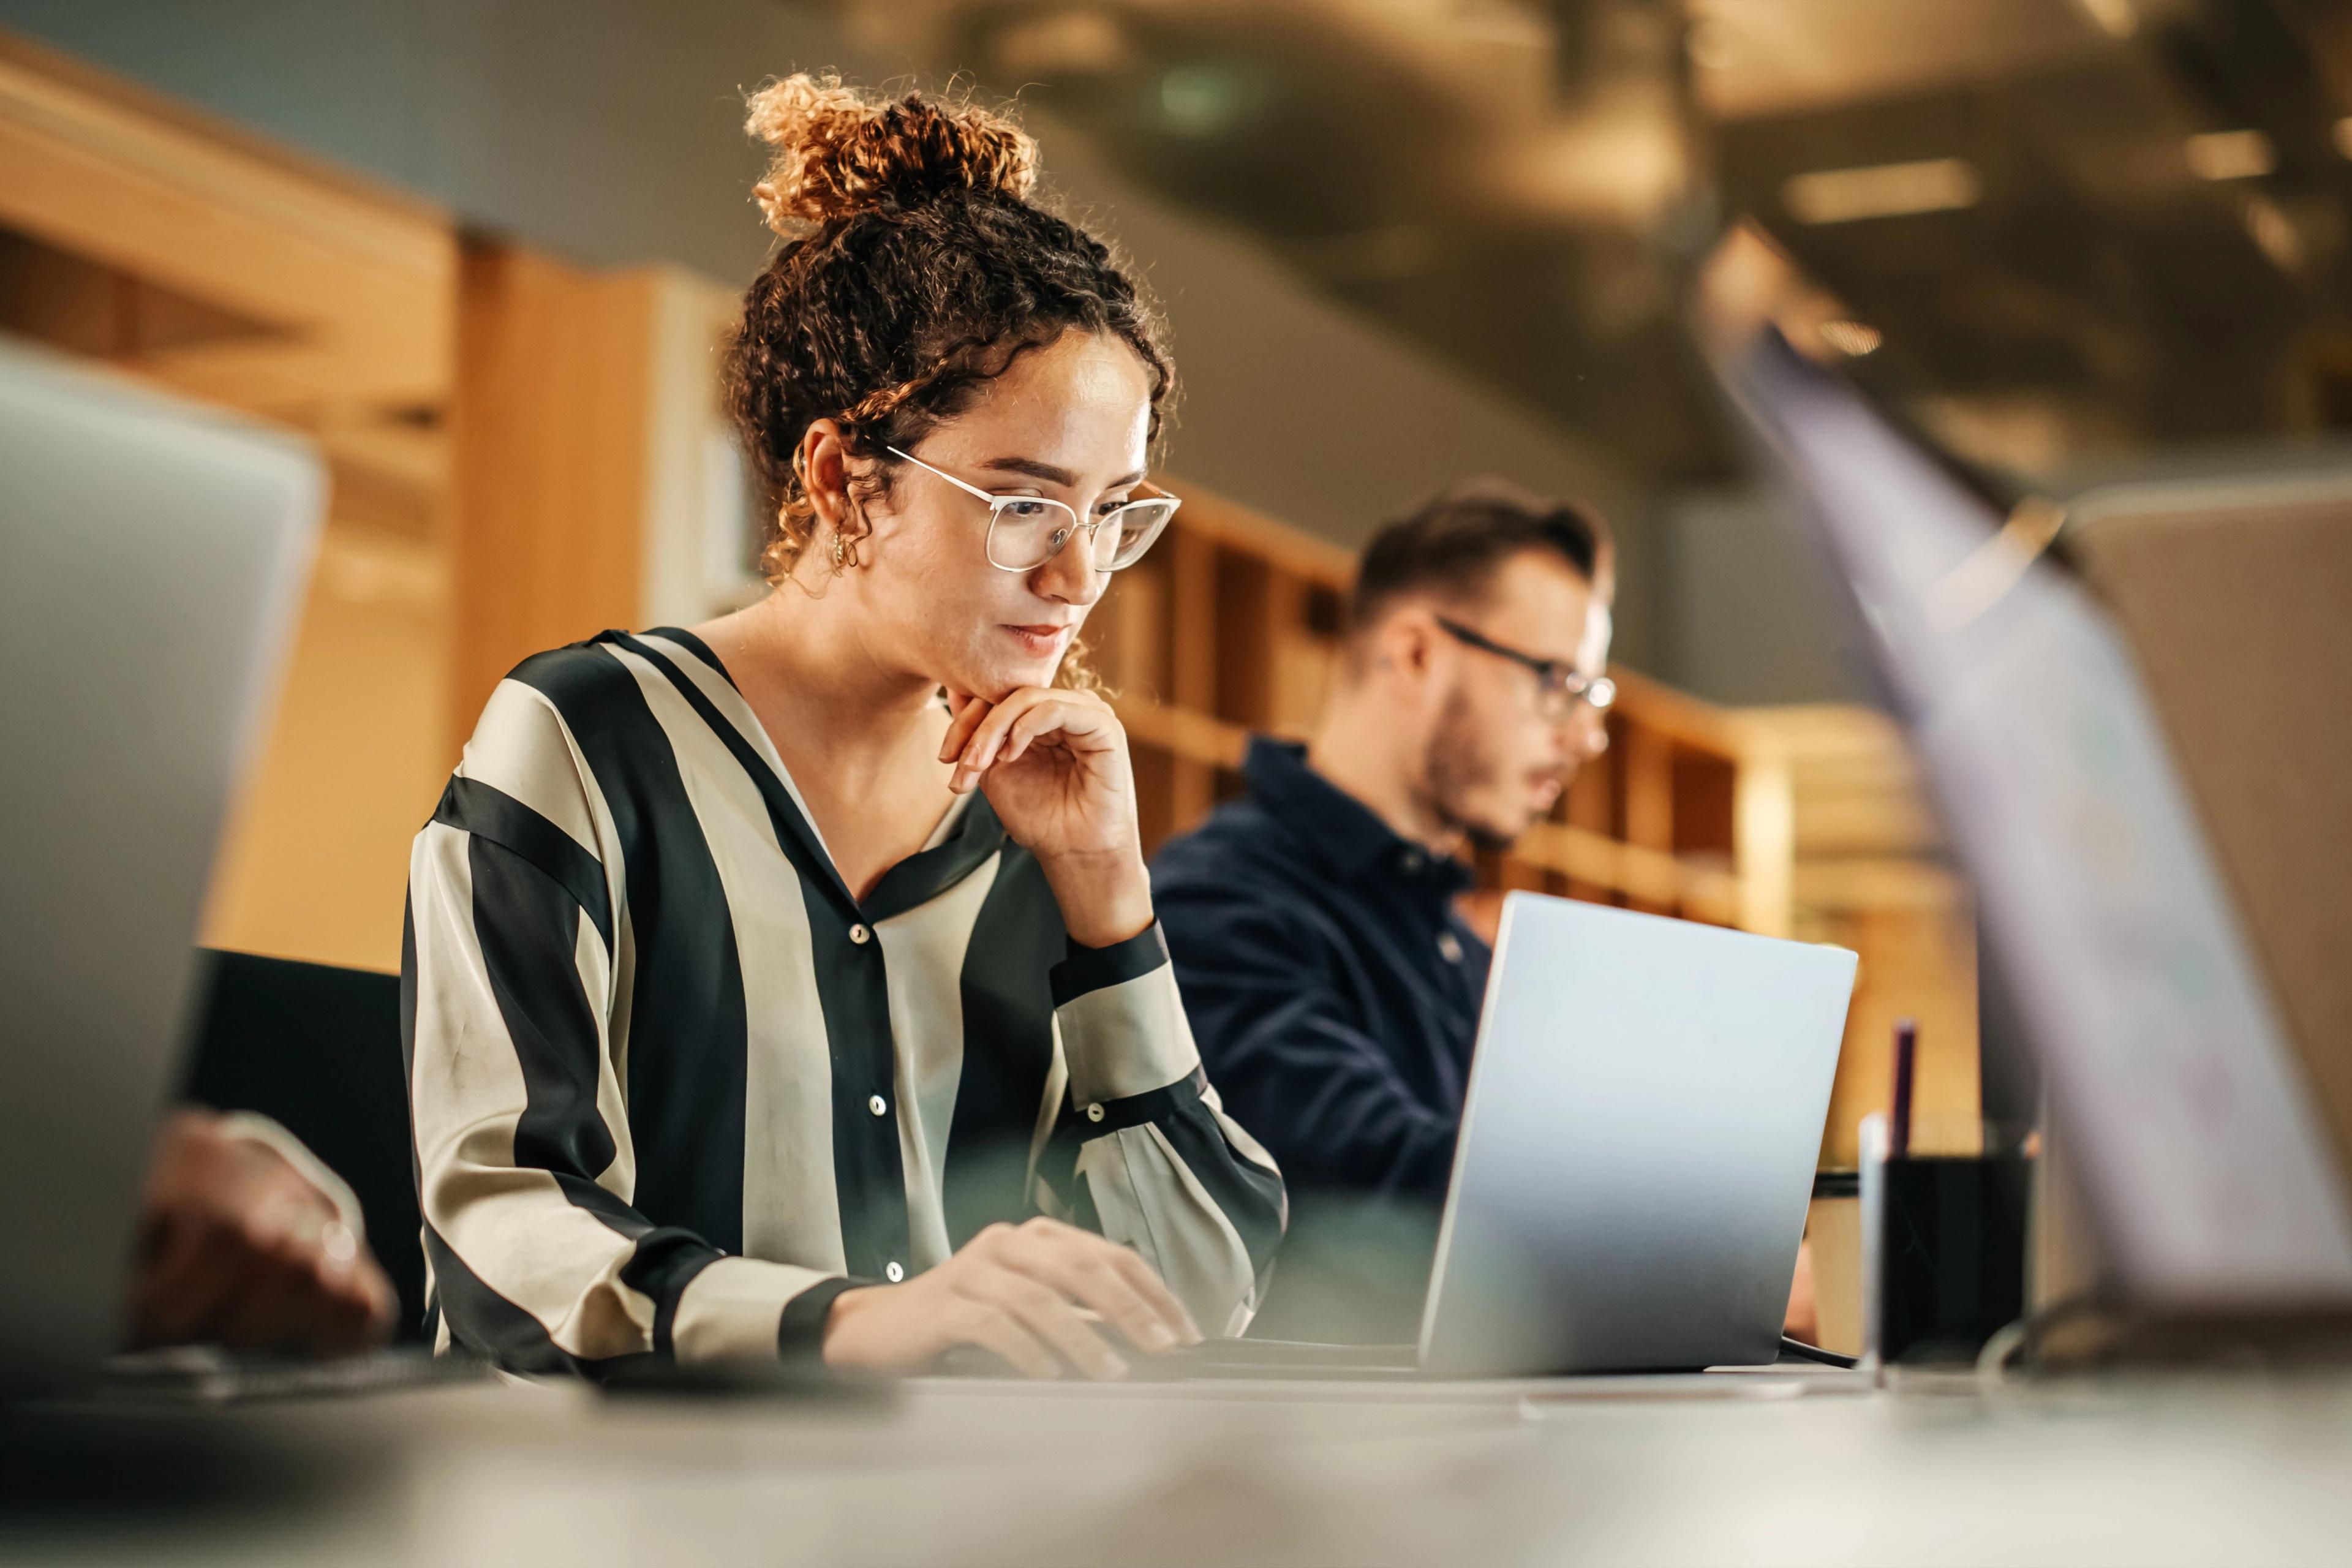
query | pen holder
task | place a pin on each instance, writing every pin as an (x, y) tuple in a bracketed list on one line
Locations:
[(1943, 1243)]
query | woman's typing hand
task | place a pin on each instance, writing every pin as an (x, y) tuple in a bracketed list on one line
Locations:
[(1039, 1294)]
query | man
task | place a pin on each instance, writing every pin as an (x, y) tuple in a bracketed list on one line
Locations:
[(1332, 984)]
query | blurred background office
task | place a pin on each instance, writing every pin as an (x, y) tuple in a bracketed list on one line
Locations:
[(482, 252)]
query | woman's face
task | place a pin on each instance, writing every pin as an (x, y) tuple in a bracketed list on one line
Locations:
[(1067, 422)]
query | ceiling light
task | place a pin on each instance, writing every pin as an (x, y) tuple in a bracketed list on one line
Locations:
[(1852, 339), (1882, 190), (1207, 98), (2116, 18), (2230, 155), (1063, 43)]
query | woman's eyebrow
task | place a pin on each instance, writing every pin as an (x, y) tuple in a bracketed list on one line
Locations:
[(1050, 473)]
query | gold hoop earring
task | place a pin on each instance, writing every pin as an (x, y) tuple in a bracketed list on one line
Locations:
[(845, 553)]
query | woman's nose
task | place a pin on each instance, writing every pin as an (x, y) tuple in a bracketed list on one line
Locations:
[(1070, 576)]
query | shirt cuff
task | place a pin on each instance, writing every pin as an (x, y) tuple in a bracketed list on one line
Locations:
[(800, 1333), (1122, 1022), (746, 1307), (1088, 969)]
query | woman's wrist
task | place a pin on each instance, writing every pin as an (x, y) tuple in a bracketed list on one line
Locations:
[(1105, 897), (844, 1307)]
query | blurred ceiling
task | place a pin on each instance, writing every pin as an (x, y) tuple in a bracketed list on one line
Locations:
[(2063, 228)]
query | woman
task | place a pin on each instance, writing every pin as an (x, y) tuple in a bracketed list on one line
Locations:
[(792, 983)]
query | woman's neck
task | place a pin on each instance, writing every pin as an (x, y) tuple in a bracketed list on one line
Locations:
[(808, 659), (859, 738)]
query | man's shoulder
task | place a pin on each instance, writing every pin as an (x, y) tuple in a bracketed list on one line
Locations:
[(1241, 841)]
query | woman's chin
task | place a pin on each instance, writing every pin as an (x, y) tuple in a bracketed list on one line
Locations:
[(993, 680)]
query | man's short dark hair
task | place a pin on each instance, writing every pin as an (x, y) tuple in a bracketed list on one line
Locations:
[(1453, 545)]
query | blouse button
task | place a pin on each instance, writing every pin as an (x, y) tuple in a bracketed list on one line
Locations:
[(859, 934), (1449, 947), (877, 1105), (894, 1272)]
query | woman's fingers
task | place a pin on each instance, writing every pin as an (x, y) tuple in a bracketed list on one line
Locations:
[(967, 717), (1072, 720), (1028, 715), (1104, 1276), (990, 1327), (1045, 719), (979, 749), (1145, 1281), (1050, 1318)]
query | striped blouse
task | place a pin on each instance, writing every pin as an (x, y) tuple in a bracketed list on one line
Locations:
[(674, 1088)]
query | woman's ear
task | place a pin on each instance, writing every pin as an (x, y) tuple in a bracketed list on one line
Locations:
[(821, 461)]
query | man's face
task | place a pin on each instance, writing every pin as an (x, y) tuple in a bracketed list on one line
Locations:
[(1497, 761)]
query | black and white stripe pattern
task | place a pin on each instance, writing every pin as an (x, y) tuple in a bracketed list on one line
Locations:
[(674, 1088)]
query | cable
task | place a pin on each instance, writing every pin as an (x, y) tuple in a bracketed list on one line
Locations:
[(1804, 1352)]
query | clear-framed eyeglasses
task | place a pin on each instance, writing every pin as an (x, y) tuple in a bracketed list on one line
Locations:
[(1026, 531), (1560, 687)]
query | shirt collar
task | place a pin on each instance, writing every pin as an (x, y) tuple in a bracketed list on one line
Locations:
[(1344, 832)]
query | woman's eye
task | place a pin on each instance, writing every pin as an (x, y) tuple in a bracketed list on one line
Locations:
[(1108, 507), (1025, 510)]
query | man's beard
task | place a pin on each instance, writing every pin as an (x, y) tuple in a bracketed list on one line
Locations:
[(1458, 766)]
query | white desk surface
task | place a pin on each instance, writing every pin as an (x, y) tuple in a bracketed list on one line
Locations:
[(2249, 1468)]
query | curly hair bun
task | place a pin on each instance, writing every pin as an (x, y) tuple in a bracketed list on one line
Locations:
[(839, 153)]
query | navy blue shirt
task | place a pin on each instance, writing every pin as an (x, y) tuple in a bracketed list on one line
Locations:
[(1333, 989)]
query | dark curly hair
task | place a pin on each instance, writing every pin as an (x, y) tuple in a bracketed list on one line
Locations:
[(917, 268)]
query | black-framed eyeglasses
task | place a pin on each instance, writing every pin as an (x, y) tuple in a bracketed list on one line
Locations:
[(1026, 531), (1559, 685)]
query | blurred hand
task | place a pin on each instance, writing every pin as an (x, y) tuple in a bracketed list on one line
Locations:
[(237, 1248), (1035, 1294), (1054, 767), (1803, 1319)]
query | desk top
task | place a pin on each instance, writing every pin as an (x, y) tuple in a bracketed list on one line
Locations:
[(2141, 1471)]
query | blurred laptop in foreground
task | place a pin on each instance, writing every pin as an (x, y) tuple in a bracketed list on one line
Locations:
[(156, 557), (2171, 1080)]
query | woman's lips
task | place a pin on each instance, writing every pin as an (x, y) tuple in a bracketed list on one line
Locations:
[(1041, 639)]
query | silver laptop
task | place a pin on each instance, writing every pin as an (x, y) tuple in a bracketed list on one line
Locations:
[(1644, 1113), (1638, 1144), (152, 558)]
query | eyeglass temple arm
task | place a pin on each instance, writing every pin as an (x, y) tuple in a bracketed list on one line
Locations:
[(968, 489)]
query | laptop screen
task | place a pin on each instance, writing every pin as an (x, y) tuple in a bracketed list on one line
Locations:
[(2204, 1164)]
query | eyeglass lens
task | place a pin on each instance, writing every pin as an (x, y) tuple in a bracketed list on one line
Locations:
[(1028, 530)]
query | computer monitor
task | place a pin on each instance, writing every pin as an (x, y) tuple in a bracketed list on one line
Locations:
[(2208, 1177)]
